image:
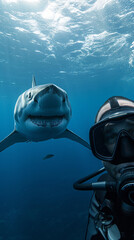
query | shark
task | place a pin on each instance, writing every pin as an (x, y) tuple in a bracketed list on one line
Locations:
[(41, 113)]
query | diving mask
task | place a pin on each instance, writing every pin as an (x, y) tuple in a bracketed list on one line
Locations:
[(114, 136)]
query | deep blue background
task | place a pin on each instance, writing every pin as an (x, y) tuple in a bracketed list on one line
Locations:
[(87, 48)]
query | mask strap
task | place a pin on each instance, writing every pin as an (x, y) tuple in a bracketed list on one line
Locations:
[(113, 103)]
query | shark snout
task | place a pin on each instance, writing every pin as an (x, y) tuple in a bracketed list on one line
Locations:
[(50, 97), (51, 89)]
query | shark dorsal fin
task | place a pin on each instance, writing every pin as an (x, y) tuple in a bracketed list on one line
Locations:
[(33, 82)]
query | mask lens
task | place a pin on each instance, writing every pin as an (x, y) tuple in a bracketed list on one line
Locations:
[(105, 139), (106, 135)]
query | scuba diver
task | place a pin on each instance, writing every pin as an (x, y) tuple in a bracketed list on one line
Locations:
[(111, 211)]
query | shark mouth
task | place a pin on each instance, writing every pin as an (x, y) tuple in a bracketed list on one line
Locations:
[(46, 121)]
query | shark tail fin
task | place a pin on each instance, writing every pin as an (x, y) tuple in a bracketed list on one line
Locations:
[(11, 139), (33, 81), (72, 136)]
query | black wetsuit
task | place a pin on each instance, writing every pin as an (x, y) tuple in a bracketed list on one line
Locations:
[(106, 206)]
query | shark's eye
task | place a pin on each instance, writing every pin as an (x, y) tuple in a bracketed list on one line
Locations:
[(29, 96)]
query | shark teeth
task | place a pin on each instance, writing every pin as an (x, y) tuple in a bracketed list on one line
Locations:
[(46, 121)]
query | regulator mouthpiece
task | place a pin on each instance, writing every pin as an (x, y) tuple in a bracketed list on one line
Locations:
[(125, 187)]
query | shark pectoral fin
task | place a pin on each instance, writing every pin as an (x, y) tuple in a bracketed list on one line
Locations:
[(12, 138), (69, 134)]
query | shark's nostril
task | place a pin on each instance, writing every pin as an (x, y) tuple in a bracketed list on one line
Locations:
[(63, 100), (47, 89), (35, 100)]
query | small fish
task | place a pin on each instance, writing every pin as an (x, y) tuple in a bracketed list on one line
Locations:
[(48, 156)]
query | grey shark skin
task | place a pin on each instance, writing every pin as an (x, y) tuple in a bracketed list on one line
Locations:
[(41, 113)]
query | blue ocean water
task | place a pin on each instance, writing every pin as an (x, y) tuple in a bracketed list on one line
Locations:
[(87, 48)]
